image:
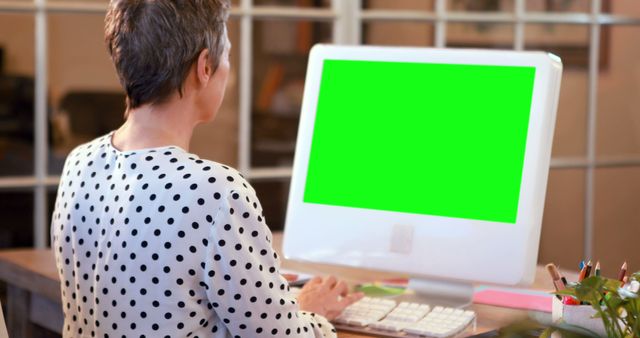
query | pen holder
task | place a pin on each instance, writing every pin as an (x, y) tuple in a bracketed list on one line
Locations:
[(578, 315)]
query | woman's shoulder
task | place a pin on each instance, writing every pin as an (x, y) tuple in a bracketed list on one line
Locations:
[(95, 145), (222, 178), (87, 150), (215, 174)]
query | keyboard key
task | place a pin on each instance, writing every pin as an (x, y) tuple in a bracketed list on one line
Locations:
[(365, 311), (388, 325)]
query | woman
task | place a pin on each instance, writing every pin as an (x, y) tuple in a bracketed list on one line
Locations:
[(152, 241)]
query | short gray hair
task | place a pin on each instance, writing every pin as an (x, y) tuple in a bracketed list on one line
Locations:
[(153, 43)]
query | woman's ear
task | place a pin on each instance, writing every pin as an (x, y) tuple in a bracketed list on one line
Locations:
[(204, 71)]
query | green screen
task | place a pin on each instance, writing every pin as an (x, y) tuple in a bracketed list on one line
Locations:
[(433, 139)]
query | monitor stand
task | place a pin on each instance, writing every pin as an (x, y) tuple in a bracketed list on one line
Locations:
[(439, 292)]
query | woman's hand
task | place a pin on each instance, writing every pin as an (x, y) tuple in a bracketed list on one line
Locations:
[(326, 296)]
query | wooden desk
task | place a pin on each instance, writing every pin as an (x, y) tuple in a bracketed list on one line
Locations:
[(34, 292)]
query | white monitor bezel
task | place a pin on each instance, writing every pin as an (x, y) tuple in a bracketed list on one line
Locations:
[(458, 249)]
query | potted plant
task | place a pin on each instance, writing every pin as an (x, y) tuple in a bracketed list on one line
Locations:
[(616, 305)]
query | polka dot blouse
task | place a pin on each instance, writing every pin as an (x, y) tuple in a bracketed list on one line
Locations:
[(159, 243)]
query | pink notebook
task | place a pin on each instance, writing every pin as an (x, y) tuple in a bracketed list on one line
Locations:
[(514, 298)]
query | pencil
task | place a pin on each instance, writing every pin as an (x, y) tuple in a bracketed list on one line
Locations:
[(623, 272), (588, 272), (583, 273), (598, 268)]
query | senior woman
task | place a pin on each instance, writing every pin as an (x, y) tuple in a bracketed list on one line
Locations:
[(152, 241)]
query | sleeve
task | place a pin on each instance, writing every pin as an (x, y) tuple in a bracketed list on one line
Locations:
[(248, 293), (59, 206)]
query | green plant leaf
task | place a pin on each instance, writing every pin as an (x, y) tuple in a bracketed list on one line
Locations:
[(566, 292), (612, 285), (615, 302), (590, 290), (634, 304), (547, 332)]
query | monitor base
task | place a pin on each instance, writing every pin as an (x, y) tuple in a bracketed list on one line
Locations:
[(439, 292)]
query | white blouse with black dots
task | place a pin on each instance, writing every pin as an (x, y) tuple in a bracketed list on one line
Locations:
[(159, 243)]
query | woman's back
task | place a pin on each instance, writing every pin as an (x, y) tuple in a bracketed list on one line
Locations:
[(157, 242)]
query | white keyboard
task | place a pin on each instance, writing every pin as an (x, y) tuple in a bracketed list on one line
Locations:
[(386, 317)]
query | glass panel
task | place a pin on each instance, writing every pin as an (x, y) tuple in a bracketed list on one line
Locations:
[(480, 5), (281, 50), (480, 35), (616, 218), (16, 208), (558, 6), (398, 33), (218, 140), (618, 120), (423, 5), (86, 98), (17, 71), (622, 7), (571, 43), (273, 195), (294, 3), (562, 238)]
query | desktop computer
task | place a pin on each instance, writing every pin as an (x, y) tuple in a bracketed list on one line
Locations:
[(428, 162)]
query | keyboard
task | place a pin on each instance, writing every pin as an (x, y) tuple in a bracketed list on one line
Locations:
[(386, 317)]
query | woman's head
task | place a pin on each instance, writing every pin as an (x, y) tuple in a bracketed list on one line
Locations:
[(155, 43)]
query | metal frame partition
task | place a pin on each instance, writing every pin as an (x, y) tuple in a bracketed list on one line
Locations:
[(347, 18)]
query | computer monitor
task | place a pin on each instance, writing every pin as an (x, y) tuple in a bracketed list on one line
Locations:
[(428, 162)]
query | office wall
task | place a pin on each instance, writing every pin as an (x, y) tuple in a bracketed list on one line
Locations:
[(619, 87), (617, 211), (77, 58), (18, 45)]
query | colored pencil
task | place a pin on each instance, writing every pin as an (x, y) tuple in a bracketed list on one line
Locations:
[(589, 268), (583, 273), (623, 272)]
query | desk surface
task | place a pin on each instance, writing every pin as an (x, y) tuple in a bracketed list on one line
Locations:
[(35, 271)]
